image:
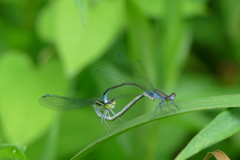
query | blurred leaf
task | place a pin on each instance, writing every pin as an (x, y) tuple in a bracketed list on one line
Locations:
[(82, 7), (219, 155), (21, 148), (45, 23), (79, 45), (50, 148), (189, 106), (11, 152), (14, 37), (155, 8), (21, 87), (223, 126), (230, 11), (140, 36), (194, 8), (231, 14), (152, 8), (210, 36), (173, 41)]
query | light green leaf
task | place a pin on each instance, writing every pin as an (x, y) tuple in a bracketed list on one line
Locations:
[(223, 126), (176, 39), (22, 84), (140, 36), (189, 106), (156, 8), (45, 23), (82, 7), (11, 152), (78, 45), (153, 8)]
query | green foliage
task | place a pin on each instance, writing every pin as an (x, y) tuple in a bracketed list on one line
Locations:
[(188, 47), (9, 152), (228, 121), (78, 43), (21, 85), (223, 126)]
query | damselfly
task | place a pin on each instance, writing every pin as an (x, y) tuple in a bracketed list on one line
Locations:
[(141, 80), (104, 109)]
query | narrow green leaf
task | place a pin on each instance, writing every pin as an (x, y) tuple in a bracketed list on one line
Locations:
[(49, 151), (140, 37), (230, 18), (175, 44), (189, 106), (223, 126)]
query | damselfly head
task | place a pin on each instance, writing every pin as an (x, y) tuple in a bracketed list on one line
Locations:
[(171, 97), (110, 104)]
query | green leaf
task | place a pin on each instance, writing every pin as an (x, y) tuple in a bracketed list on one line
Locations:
[(78, 45), (11, 152), (230, 19), (82, 7), (223, 126), (22, 84), (189, 106), (155, 8), (45, 23), (176, 39), (140, 37)]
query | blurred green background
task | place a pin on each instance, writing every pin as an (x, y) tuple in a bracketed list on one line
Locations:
[(190, 47)]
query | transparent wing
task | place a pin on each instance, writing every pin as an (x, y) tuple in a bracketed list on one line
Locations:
[(64, 103), (139, 75), (117, 81), (109, 77), (144, 76)]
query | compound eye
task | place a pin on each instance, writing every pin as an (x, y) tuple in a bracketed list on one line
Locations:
[(111, 101), (172, 96)]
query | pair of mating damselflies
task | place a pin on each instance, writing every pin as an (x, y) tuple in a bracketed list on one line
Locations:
[(104, 107)]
